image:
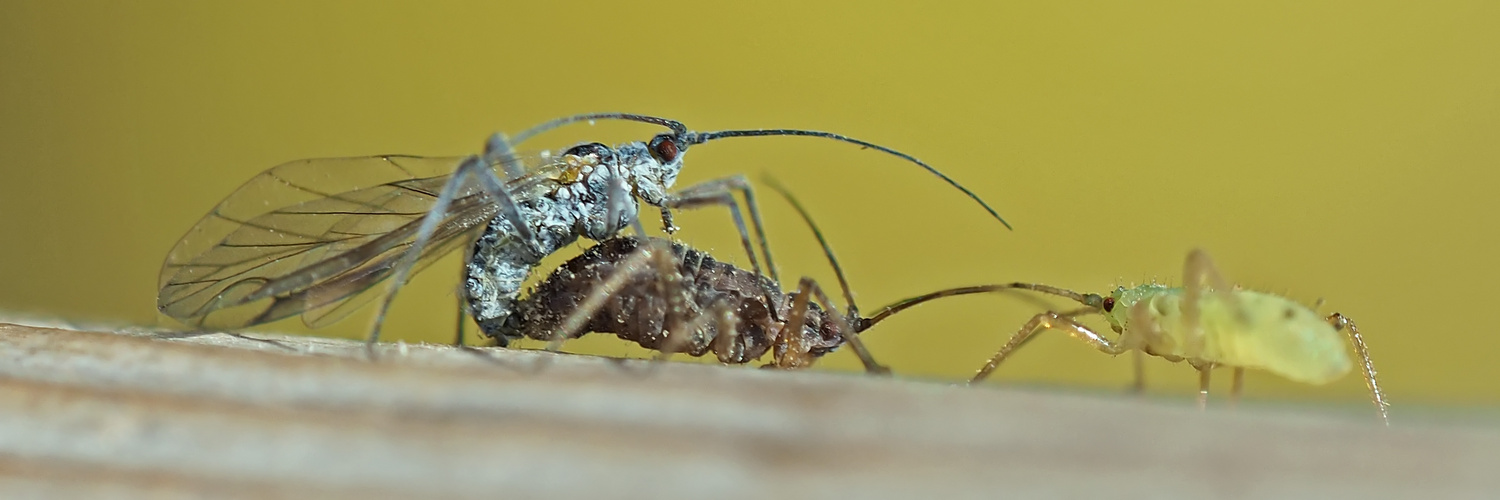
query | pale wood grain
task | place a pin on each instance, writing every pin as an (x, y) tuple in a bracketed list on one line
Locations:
[(262, 416)]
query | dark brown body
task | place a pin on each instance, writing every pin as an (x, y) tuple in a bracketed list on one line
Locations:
[(638, 311)]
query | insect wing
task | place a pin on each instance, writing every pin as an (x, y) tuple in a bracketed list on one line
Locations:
[(307, 234)]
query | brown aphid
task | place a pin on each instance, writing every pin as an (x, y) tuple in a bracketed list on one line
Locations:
[(685, 301)]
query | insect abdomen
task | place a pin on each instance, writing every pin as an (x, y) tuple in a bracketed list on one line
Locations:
[(1254, 330)]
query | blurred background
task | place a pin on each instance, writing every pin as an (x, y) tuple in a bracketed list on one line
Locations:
[(1336, 150)]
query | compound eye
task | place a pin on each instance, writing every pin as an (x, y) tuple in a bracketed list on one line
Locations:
[(664, 148), (592, 148), (1109, 304)]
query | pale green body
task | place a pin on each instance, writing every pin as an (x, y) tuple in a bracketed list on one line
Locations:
[(1265, 331)]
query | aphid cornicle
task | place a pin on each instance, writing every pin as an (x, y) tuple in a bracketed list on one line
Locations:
[(314, 237), (1206, 322)]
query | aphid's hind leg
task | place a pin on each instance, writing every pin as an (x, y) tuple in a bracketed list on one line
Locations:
[(645, 258), (721, 192), (725, 344), (1236, 387), (1199, 268), (1145, 335), (474, 168), (789, 351), (458, 330), (1050, 321), (691, 332), (1343, 323)]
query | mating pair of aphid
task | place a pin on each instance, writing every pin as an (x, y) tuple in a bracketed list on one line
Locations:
[(314, 237)]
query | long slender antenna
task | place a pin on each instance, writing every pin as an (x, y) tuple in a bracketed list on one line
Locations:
[(1089, 300), (699, 138), (838, 270), (677, 127)]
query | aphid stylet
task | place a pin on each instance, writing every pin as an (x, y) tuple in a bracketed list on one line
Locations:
[(313, 237), (673, 298), (1206, 322)]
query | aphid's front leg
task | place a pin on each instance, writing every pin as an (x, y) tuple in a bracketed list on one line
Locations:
[(1205, 371), (1050, 321), (721, 192), (1138, 362), (806, 286), (1343, 323)]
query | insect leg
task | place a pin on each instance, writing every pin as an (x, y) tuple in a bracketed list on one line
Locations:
[(472, 167), (458, 336), (1205, 370), (1138, 359), (1343, 323), (845, 331), (1050, 321), (690, 333), (721, 192), (579, 317), (1198, 268), (838, 271), (497, 150), (790, 352), (1236, 387), (725, 342)]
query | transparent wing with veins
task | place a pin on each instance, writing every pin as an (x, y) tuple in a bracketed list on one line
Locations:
[(313, 237)]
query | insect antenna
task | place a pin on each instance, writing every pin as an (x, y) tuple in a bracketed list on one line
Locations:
[(677, 127), (699, 138), (1087, 299), (688, 138)]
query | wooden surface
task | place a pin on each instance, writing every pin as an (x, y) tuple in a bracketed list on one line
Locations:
[(136, 415)]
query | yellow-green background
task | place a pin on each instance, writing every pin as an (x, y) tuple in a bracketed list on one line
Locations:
[(1340, 150)]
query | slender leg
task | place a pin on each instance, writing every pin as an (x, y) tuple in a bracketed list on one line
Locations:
[(843, 328), (1198, 269), (498, 150), (1144, 331), (721, 192), (1205, 370), (790, 352), (473, 168), (1237, 387), (691, 333), (1138, 359), (838, 271), (1048, 321), (458, 337), (725, 342), (1345, 324), (649, 252)]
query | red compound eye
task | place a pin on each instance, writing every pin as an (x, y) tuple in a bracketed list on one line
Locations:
[(1109, 304), (664, 147)]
